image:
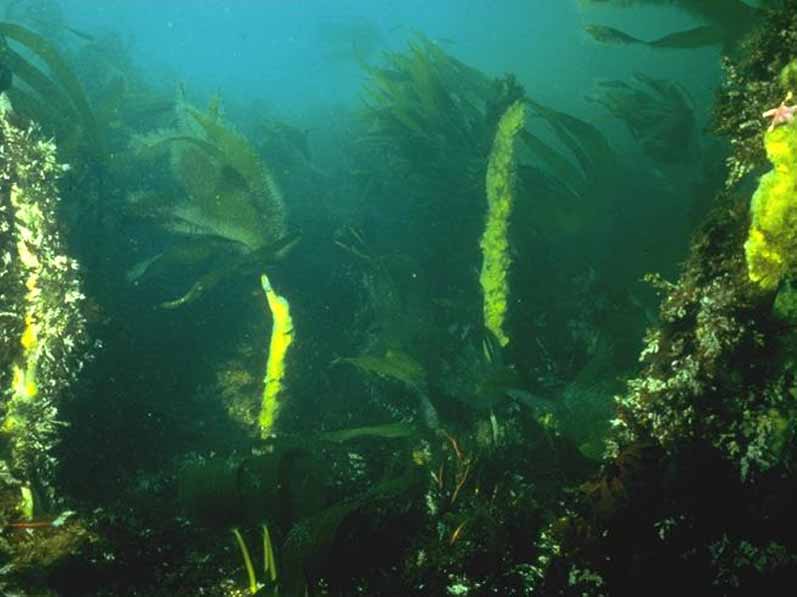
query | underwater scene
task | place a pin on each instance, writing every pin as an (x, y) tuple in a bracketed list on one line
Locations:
[(398, 298)]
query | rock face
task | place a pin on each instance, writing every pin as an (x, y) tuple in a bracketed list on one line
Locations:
[(698, 475), (42, 336)]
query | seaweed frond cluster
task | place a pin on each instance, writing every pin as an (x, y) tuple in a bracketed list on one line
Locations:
[(435, 108), (659, 115), (53, 96), (727, 22), (229, 213)]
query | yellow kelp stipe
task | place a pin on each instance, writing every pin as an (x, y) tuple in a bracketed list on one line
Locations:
[(281, 338), (250, 569), (495, 242)]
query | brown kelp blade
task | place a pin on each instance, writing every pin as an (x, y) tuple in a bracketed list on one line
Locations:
[(187, 252), (393, 365), (611, 36), (554, 163), (587, 144), (234, 266), (697, 37), (397, 430), (61, 74)]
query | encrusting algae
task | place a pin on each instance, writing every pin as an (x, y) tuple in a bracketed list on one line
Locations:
[(43, 301), (495, 242)]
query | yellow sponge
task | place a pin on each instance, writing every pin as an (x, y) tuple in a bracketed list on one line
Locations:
[(771, 247)]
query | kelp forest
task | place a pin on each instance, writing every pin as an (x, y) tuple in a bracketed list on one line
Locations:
[(470, 330)]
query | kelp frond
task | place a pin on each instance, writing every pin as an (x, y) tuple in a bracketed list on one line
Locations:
[(239, 155), (231, 193), (696, 37), (586, 143), (659, 115), (231, 201), (728, 21), (269, 583), (394, 365), (250, 569), (62, 88), (397, 430), (431, 107)]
